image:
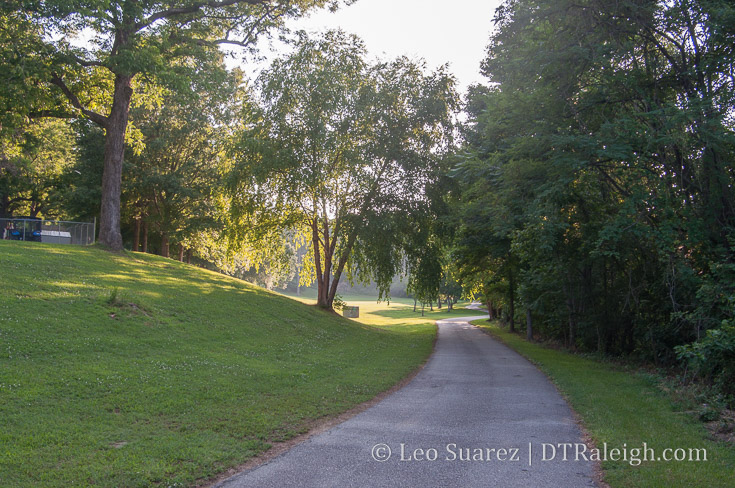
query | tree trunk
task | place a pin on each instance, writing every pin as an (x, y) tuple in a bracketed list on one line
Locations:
[(4, 206), (188, 256), (321, 289), (164, 245), (181, 253), (328, 250), (490, 310), (511, 303), (114, 156), (572, 310), (145, 236), (529, 326), (439, 303), (136, 236), (340, 265), (572, 337), (414, 304)]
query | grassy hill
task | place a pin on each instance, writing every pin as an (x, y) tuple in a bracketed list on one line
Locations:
[(132, 370)]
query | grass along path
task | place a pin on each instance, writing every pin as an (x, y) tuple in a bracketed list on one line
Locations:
[(621, 408), (134, 370)]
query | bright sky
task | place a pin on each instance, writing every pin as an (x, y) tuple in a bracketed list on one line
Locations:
[(440, 31)]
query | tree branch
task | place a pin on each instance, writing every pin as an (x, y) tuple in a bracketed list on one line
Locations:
[(191, 9), (248, 37), (84, 62), (98, 119), (53, 114)]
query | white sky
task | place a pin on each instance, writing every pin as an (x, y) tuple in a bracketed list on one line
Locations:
[(440, 31)]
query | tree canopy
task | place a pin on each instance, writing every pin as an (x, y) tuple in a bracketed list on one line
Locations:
[(123, 41), (343, 152), (596, 184)]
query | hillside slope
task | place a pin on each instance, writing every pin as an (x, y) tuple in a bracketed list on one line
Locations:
[(130, 370)]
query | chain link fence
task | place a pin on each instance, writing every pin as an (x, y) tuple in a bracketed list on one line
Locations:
[(51, 231)]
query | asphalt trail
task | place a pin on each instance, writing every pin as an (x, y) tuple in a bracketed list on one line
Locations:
[(477, 407)]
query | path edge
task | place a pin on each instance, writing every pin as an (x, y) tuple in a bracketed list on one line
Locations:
[(316, 427), (599, 473)]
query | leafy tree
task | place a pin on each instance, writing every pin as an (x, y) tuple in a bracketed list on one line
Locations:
[(23, 63), (450, 288), (32, 161), (593, 181), (344, 151), (80, 191), (424, 272), (129, 40), (174, 186)]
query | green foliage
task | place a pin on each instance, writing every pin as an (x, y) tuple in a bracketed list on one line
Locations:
[(338, 304), (32, 163), (594, 187), (342, 152), (425, 273), (713, 357), (80, 190), (113, 298), (24, 66)]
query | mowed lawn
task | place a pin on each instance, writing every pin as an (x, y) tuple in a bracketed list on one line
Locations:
[(622, 409), (134, 370), (396, 311)]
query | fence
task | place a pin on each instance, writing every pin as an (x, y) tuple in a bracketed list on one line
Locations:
[(52, 231)]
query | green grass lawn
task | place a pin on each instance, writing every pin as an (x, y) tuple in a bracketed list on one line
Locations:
[(133, 370), (399, 311), (620, 408)]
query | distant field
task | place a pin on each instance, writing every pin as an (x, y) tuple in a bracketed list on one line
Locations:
[(134, 370), (398, 310)]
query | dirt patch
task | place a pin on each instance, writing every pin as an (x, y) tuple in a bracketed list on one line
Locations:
[(129, 307), (723, 430)]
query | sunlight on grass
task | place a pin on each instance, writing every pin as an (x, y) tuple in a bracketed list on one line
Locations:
[(133, 370)]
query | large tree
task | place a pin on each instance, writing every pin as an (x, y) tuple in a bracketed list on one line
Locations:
[(94, 50), (343, 152), (596, 163)]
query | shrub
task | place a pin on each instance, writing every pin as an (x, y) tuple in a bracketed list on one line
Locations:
[(713, 357)]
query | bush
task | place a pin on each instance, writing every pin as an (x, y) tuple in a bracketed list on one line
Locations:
[(713, 357)]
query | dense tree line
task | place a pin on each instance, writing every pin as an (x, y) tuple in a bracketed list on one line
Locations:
[(596, 195)]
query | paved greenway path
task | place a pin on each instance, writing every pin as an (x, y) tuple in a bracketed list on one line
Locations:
[(475, 399)]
